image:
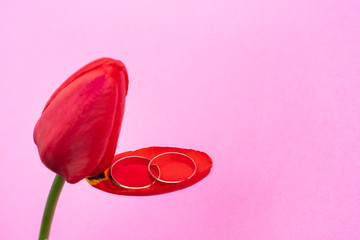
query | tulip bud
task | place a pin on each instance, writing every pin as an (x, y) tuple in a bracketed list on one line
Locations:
[(78, 130)]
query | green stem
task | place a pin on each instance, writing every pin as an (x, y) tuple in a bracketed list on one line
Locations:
[(49, 211)]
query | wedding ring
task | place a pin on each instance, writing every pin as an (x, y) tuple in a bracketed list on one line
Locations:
[(171, 165), (132, 172)]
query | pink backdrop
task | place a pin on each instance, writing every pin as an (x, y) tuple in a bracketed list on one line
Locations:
[(269, 89)]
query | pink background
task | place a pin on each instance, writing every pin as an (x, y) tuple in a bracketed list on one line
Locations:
[(269, 89)]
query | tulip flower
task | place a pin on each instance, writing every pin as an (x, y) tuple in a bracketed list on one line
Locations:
[(78, 130), (77, 135)]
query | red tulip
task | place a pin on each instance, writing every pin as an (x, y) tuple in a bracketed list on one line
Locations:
[(181, 168), (77, 132)]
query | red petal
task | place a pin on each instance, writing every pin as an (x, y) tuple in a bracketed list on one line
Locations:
[(203, 166), (118, 117)]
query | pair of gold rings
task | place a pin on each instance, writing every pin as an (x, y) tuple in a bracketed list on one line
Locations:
[(137, 172)]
